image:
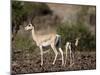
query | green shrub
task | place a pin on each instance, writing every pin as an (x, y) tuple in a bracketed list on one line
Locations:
[(23, 43), (72, 31)]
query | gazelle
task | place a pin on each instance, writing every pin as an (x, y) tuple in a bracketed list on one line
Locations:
[(71, 46), (43, 40)]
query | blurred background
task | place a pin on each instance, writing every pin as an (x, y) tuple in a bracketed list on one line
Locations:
[(70, 21)]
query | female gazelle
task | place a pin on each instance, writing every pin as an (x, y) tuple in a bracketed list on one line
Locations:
[(43, 40)]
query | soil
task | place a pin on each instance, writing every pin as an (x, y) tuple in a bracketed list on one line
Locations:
[(28, 61)]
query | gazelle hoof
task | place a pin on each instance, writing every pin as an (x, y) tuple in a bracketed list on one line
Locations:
[(71, 64), (41, 64), (62, 64), (53, 63)]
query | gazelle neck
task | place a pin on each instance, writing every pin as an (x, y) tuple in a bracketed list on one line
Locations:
[(76, 43), (33, 34)]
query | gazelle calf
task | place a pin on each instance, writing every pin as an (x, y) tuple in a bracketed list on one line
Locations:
[(71, 46), (44, 40)]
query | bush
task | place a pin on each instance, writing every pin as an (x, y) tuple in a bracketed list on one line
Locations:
[(23, 43), (70, 32)]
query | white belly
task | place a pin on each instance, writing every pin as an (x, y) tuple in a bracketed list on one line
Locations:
[(45, 43)]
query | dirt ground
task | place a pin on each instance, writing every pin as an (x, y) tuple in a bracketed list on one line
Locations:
[(28, 61)]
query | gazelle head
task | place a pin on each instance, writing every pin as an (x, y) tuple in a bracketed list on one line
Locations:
[(29, 27), (77, 41)]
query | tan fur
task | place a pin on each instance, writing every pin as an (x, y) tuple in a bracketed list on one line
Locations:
[(44, 40)]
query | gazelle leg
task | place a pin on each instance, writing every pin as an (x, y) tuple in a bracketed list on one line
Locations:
[(66, 54), (72, 59), (70, 52), (73, 56), (56, 53), (62, 55), (41, 55)]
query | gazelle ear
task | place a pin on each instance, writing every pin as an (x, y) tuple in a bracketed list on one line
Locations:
[(34, 25)]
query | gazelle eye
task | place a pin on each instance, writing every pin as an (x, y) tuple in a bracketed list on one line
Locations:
[(29, 25)]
